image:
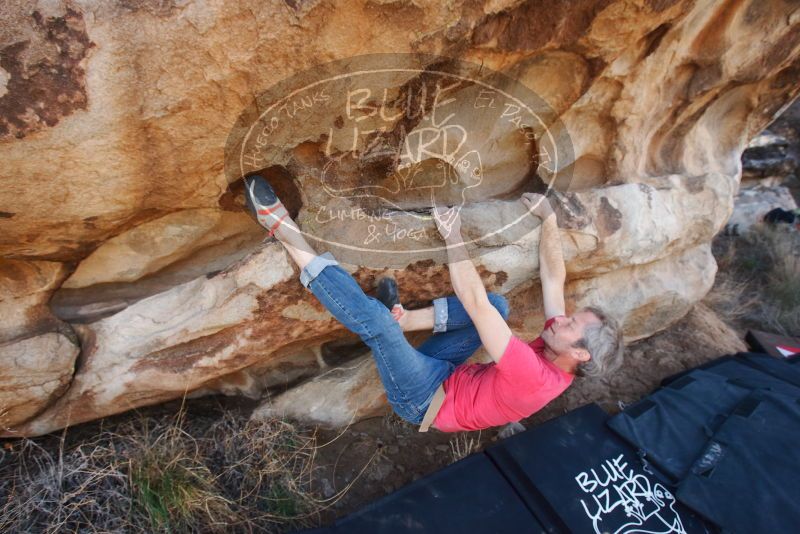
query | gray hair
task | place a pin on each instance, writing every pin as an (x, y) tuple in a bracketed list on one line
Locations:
[(604, 343)]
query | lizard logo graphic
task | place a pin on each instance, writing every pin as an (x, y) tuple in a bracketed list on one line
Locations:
[(370, 145), (425, 167), (621, 501)]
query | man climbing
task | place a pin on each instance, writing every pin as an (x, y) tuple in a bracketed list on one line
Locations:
[(430, 385)]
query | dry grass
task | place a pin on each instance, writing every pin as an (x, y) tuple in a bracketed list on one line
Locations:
[(464, 444), (165, 474), (758, 284), (731, 298)]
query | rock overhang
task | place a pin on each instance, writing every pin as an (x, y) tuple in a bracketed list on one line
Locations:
[(658, 99)]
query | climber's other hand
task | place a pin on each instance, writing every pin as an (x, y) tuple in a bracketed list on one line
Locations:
[(537, 204), (448, 221)]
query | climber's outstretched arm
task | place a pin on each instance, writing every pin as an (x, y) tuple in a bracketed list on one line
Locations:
[(468, 287), (552, 271)]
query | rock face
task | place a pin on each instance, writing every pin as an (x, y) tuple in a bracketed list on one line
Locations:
[(767, 155), (753, 203), (37, 351), (773, 156), (116, 209), (337, 397)]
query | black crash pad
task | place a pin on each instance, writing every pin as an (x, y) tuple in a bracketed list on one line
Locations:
[(470, 495), (787, 370), (672, 425), (740, 372), (746, 479), (590, 480)]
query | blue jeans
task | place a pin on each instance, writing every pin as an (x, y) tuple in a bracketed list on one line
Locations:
[(409, 375)]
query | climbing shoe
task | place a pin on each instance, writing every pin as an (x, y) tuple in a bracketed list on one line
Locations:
[(387, 292), (264, 203), (388, 295)]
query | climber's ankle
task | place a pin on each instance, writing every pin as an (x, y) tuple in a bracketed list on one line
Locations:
[(286, 229)]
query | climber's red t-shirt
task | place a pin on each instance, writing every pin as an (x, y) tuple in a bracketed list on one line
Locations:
[(482, 395)]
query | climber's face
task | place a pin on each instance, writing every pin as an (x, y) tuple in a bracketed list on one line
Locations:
[(565, 331)]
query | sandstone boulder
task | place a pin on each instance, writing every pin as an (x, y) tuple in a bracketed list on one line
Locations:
[(25, 288), (116, 121), (34, 371), (152, 246), (752, 203), (338, 397), (37, 351)]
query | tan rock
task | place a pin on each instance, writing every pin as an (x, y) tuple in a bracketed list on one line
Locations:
[(197, 334), (114, 124), (753, 203), (179, 340), (150, 96), (645, 298), (484, 154), (203, 257), (337, 397), (153, 245), (652, 296), (37, 351), (558, 77), (697, 122), (33, 372), (603, 229), (282, 369), (25, 287)]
